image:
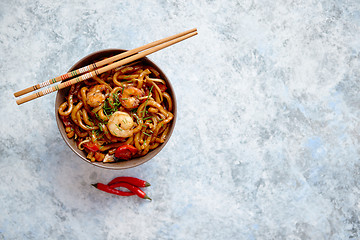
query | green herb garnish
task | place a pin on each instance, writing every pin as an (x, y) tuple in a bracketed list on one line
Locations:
[(119, 127), (147, 101), (111, 106), (147, 134)]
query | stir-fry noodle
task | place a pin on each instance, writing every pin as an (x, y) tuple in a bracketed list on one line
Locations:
[(119, 115)]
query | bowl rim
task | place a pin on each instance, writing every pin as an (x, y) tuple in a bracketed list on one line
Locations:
[(123, 164)]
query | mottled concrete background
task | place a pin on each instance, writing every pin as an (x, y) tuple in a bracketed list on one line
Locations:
[(266, 144)]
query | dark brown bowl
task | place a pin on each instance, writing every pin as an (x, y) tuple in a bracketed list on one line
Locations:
[(60, 98)]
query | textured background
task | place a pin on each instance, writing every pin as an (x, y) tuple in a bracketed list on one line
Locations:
[(266, 144)]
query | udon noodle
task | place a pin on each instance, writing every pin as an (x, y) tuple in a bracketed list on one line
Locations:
[(128, 107)]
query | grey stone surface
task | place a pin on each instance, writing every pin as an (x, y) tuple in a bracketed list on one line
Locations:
[(266, 144)]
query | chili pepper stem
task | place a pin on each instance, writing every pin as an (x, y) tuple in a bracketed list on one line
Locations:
[(147, 184), (95, 185), (147, 197)]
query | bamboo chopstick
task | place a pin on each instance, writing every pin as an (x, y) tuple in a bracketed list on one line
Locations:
[(104, 69), (101, 63)]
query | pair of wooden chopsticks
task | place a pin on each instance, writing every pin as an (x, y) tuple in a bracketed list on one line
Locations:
[(97, 69)]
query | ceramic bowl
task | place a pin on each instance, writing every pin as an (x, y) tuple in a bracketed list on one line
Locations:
[(60, 98)]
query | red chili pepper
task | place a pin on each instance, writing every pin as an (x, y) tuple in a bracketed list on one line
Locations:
[(162, 87), (91, 146), (140, 193), (133, 181), (111, 190), (66, 121), (125, 152)]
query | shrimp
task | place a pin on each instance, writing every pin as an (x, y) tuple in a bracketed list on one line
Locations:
[(130, 97), (120, 124), (95, 97)]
